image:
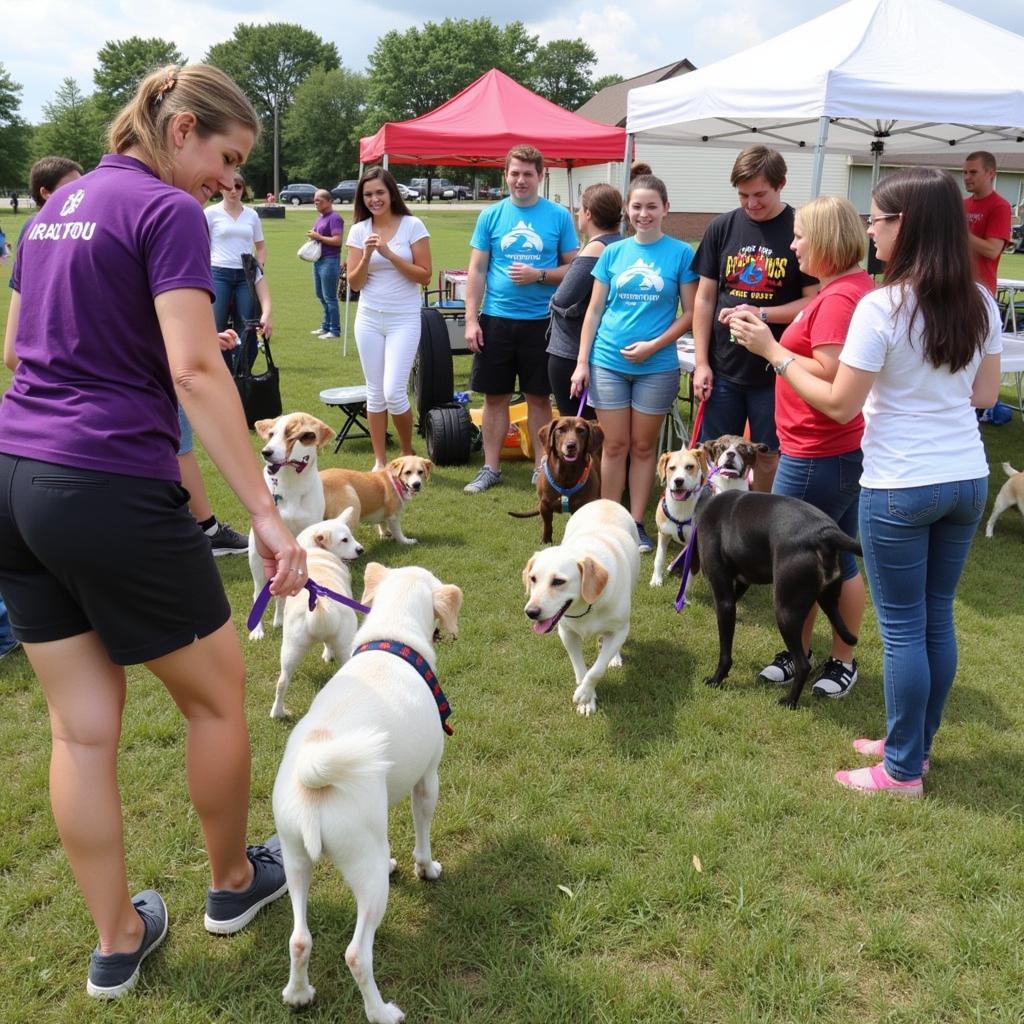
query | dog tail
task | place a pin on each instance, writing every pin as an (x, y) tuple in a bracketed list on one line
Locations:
[(525, 515), (1007, 469), (844, 542)]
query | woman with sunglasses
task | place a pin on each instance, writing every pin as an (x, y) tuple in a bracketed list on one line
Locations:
[(921, 354), (235, 230)]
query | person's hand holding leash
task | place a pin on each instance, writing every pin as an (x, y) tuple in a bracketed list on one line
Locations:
[(580, 380), (284, 561)]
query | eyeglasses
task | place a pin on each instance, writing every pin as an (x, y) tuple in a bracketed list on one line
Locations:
[(872, 221), (237, 187)]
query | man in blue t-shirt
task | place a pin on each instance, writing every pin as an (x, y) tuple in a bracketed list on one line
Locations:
[(519, 253)]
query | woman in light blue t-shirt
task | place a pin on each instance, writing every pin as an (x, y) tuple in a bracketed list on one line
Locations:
[(627, 349)]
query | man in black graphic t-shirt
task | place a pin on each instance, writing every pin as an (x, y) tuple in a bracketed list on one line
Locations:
[(745, 262)]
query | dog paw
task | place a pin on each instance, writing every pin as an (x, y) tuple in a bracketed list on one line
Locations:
[(257, 633), (429, 871), (585, 700), (387, 1014), (713, 682), (407, 540), (616, 662), (785, 702), (657, 580), (586, 707), (280, 712), (298, 995), (326, 655), (392, 865)]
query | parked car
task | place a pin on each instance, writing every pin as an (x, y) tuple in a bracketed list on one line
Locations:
[(438, 188), (344, 191), (494, 193), (407, 193), (297, 194), (450, 191)]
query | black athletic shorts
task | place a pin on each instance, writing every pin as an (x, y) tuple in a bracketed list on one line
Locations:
[(82, 550), (512, 348)]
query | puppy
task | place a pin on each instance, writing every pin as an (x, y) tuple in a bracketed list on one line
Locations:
[(290, 455), (684, 474), (747, 537), (571, 474), (329, 545), (585, 586), (378, 496), (372, 735), (734, 458), (1011, 493)]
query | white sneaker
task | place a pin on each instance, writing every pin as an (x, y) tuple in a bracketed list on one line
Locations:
[(327, 335), (317, 331)]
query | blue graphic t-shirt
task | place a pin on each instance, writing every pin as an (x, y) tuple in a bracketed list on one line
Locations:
[(535, 235), (643, 293)]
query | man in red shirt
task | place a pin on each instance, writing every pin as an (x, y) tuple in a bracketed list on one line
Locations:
[(988, 217)]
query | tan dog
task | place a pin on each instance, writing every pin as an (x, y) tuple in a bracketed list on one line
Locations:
[(1011, 493), (289, 453), (571, 472), (585, 587), (378, 497), (684, 474)]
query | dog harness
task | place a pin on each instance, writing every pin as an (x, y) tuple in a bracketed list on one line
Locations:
[(316, 591), (418, 662), (565, 493), (680, 523)]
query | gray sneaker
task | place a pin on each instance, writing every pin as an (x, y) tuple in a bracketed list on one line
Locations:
[(483, 480), (229, 912), (113, 974)]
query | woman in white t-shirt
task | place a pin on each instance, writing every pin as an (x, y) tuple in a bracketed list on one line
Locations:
[(234, 230), (921, 354), (388, 261)]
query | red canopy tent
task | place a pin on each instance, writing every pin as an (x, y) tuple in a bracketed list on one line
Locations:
[(477, 127)]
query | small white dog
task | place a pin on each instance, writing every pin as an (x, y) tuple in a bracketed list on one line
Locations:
[(373, 734), (290, 472), (1010, 494), (329, 545), (585, 586), (683, 473)]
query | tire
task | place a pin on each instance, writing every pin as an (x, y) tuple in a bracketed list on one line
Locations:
[(449, 435), (433, 373), (295, 201)]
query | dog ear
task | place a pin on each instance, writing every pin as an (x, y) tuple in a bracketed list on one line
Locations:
[(350, 518), (762, 449), (324, 433), (264, 427), (322, 538), (544, 433), (596, 438), (428, 468), (594, 578), (395, 466), (447, 602), (662, 463), (709, 448), (373, 575), (702, 460), (527, 569)]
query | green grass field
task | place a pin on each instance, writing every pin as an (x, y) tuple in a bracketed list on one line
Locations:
[(682, 856)]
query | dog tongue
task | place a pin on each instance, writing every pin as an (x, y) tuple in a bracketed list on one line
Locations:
[(568, 458), (546, 625), (679, 495)]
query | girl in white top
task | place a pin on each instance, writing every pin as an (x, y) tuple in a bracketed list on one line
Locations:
[(388, 262), (921, 354)]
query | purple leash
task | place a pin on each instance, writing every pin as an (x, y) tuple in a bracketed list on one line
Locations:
[(687, 555), (315, 592), (583, 400)]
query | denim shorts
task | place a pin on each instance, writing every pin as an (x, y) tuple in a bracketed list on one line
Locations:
[(830, 483), (650, 393), (187, 443)]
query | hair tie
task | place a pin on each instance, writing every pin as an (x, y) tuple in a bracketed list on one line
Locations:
[(168, 84)]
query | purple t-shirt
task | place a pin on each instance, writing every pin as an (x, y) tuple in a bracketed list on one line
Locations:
[(329, 224), (93, 387)]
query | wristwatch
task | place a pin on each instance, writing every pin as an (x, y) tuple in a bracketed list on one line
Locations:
[(763, 314), (543, 277)]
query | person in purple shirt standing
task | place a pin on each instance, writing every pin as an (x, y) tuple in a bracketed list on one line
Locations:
[(100, 562), (329, 230)]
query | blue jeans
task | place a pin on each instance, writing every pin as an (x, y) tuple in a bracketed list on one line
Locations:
[(6, 633), (916, 541), (730, 406), (325, 284), (831, 483), (230, 286)]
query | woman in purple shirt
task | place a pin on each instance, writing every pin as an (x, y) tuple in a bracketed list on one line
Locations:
[(328, 230), (100, 562)]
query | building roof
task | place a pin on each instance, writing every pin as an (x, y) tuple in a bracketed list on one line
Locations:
[(609, 105)]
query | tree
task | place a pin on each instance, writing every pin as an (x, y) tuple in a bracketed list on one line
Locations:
[(604, 81), (561, 72), (74, 127), (123, 63), (322, 126), (14, 133), (414, 71), (269, 62)]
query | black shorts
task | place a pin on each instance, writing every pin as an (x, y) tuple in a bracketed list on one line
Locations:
[(512, 348), (82, 550)]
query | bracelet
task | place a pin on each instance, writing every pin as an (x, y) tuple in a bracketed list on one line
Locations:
[(782, 365)]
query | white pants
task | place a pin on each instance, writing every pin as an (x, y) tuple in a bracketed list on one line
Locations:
[(387, 344)]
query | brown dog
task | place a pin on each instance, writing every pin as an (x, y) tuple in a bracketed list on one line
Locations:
[(571, 472)]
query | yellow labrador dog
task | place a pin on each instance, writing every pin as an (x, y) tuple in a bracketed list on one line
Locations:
[(584, 586), (372, 735), (378, 496)]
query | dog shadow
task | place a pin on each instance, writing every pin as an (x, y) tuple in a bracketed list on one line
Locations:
[(640, 699)]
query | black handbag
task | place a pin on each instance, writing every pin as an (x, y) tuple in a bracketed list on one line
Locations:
[(260, 392)]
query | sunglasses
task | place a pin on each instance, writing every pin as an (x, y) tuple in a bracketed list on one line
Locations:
[(235, 188)]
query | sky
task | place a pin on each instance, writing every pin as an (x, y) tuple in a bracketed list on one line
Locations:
[(52, 39)]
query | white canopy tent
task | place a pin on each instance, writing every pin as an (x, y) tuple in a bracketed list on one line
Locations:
[(903, 77)]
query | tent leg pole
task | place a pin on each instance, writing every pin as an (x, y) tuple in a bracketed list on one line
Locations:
[(344, 334), (819, 157), (572, 198), (627, 162)]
